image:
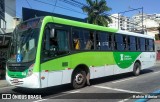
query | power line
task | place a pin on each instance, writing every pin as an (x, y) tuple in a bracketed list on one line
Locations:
[(71, 3), (82, 4), (59, 6), (29, 4), (55, 6), (103, 13)]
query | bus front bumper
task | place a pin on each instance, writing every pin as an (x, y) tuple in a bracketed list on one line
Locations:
[(32, 81)]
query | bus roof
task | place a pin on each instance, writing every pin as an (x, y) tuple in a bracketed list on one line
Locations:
[(90, 26), (78, 24)]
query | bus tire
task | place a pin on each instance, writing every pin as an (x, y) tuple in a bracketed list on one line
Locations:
[(136, 69), (79, 79)]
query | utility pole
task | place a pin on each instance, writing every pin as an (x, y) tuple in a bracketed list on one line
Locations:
[(142, 22)]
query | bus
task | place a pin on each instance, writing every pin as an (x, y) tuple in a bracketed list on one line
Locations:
[(50, 51)]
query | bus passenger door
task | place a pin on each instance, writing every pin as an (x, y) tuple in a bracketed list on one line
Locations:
[(54, 56)]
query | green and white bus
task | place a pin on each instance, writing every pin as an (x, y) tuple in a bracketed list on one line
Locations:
[(50, 51)]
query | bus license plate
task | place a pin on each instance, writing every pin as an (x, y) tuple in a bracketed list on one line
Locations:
[(15, 80)]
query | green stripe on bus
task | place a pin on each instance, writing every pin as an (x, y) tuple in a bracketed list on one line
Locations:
[(17, 74), (96, 59), (85, 58)]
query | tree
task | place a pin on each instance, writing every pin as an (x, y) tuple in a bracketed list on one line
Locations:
[(96, 12)]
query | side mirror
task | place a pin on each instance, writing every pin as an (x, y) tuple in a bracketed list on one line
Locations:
[(52, 34)]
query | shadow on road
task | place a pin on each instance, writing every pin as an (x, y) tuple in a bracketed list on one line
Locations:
[(117, 77), (67, 87), (45, 91)]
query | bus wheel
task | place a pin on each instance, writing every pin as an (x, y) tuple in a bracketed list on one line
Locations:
[(136, 69), (79, 79)]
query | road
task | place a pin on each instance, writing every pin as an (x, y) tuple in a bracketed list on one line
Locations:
[(117, 88)]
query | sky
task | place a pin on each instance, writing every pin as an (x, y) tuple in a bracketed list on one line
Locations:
[(149, 7)]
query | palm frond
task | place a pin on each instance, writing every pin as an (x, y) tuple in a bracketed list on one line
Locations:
[(95, 11), (90, 2)]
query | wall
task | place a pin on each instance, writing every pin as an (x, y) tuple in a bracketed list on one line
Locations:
[(10, 14)]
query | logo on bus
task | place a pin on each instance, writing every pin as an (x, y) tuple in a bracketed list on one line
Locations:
[(19, 58), (121, 57), (125, 57)]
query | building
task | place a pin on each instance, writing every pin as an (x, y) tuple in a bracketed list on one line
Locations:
[(141, 23), (2, 15), (120, 22), (150, 23), (7, 25), (7, 15)]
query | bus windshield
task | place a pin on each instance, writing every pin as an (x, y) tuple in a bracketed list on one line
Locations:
[(25, 41)]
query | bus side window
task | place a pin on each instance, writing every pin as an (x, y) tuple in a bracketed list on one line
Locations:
[(103, 41), (151, 45), (142, 44), (110, 41), (137, 44), (119, 44), (89, 37), (76, 40), (147, 44), (132, 43)]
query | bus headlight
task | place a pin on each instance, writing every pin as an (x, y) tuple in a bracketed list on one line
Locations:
[(30, 70)]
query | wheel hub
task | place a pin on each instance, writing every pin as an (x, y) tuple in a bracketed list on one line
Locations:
[(79, 78)]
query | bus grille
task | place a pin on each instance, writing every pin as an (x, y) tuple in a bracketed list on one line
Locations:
[(17, 68)]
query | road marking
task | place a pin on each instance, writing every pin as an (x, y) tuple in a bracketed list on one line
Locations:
[(124, 100), (121, 90), (74, 91), (116, 89), (40, 100), (123, 80), (58, 96)]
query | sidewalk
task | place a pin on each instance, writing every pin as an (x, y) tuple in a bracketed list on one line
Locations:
[(3, 83), (158, 61)]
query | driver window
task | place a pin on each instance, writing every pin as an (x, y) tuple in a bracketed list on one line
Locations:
[(55, 43)]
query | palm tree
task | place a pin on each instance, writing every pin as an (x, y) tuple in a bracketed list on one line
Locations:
[(96, 12)]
